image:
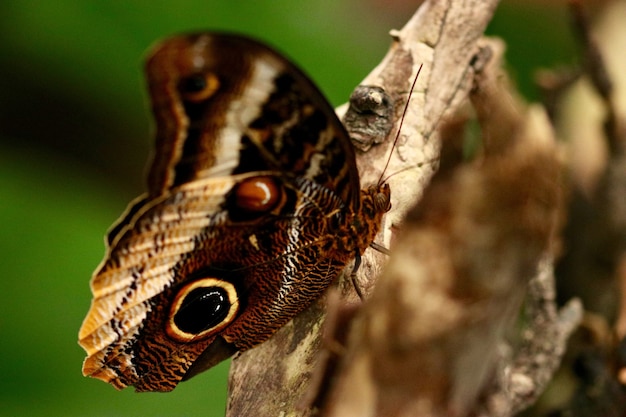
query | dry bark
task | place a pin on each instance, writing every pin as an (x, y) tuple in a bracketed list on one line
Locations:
[(430, 338), (588, 108)]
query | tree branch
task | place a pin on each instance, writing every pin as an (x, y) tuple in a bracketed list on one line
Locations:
[(429, 339)]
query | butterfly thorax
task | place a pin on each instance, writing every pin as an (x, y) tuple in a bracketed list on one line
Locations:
[(360, 227)]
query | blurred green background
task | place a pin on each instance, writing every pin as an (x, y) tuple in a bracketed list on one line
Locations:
[(75, 135)]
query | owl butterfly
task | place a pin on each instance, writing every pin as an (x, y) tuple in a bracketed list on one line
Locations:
[(253, 208)]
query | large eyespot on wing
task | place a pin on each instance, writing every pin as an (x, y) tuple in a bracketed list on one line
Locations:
[(201, 308)]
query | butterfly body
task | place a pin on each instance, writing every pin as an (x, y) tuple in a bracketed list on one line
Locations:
[(253, 208)]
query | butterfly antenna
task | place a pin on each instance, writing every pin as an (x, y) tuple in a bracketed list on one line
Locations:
[(419, 165), (406, 107)]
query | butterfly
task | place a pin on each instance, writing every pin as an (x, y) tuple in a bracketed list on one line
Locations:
[(253, 207)]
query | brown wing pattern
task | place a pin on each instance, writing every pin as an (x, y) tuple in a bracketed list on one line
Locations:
[(253, 207)]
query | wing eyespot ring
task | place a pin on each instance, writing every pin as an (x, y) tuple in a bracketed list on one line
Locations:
[(198, 87), (202, 308), (254, 197)]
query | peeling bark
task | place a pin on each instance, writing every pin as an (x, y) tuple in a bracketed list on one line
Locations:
[(431, 336)]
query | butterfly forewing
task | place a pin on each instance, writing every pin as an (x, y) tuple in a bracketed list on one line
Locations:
[(253, 208)]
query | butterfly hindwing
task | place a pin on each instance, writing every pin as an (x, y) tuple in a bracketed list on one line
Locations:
[(252, 210)]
